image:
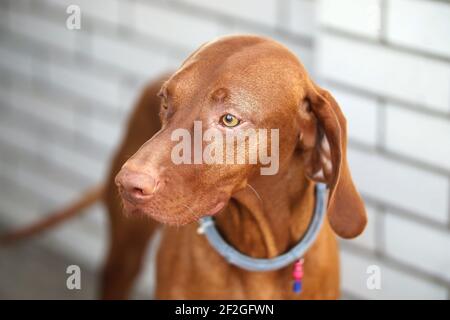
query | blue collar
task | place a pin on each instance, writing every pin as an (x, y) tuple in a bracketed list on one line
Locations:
[(208, 227)]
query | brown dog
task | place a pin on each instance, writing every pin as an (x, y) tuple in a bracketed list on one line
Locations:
[(261, 85), (255, 83)]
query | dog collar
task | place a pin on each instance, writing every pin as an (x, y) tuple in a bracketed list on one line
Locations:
[(234, 257)]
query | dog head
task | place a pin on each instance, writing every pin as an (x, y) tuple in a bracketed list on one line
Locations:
[(230, 86)]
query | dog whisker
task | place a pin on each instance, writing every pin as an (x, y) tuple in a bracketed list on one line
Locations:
[(253, 189)]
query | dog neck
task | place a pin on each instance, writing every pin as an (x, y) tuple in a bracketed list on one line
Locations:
[(271, 214)]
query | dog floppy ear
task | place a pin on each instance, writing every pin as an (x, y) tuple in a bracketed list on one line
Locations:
[(324, 144)]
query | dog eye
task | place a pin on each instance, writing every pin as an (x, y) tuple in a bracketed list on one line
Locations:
[(229, 120)]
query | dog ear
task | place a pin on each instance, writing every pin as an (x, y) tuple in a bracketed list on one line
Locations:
[(324, 143)]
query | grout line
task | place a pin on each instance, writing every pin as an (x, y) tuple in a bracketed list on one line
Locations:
[(383, 21), (201, 12), (419, 108), (126, 15), (89, 145), (398, 265), (381, 124), (99, 64), (283, 16), (48, 12), (109, 111), (405, 213), (53, 171), (97, 26), (84, 146), (386, 45), (394, 156)]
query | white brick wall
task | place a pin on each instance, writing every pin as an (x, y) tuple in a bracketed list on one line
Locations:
[(418, 245), (141, 60), (179, 28), (362, 115), (245, 10), (420, 136), (405, 76), (360, 17), (405, 21), (396, 283), (401, 185), (64, 97), (388, 64), (300, 17)]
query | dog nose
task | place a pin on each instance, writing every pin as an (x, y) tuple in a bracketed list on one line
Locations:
[(136, 186)]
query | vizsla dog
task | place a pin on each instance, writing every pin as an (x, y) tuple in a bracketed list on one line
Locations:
[(230, 84)]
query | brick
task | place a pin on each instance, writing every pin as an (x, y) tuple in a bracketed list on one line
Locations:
[(8, 158), (422, 25), (126, 13), (420, 246), (362, 17), (15, 62), (39, 29), (130, 56), (10, 132), (20, 5), (4, 17), (361, 114), (401, 185), (367, 239), (20, 131), (50, 112), (129, 95), (179, 29), (86, 83), (75, 161), (5, 98), (55, 193), (301, 17), (408, 77), (303, 51), (419, 136), (28, 178), (107, 133), (245, 10), (46, 112), (395, 283), (14, 210)]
